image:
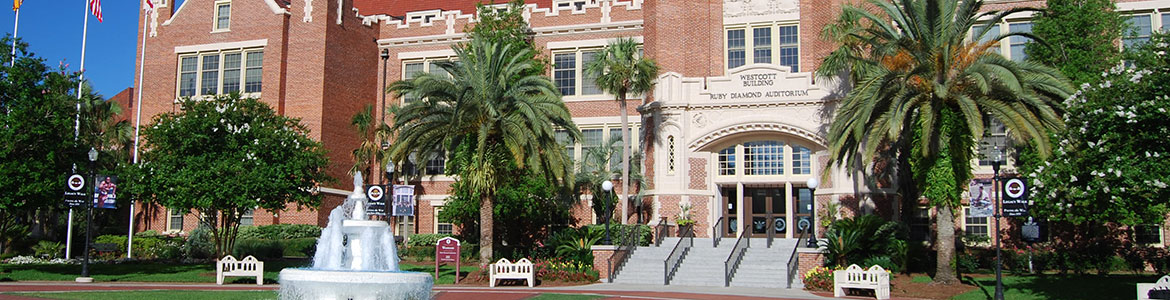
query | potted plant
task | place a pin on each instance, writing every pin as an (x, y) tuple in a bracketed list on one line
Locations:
[(683, 219)]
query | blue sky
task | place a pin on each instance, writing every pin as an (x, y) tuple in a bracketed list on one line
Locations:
[(53, 30)]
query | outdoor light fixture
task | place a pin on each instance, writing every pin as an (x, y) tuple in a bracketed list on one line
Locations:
[(996, 162), (812, 183), (608, 187), (93, 156)]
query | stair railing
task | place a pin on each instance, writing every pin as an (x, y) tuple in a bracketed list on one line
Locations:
[(622, 253), (660, 232), (794, 260), (735, 257), (670, 265), (771, 231), (716, 233)]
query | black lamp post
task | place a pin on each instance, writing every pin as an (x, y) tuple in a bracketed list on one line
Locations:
[(812, 184), (996, 161), (608, 187), (93, 156), (385, 56)]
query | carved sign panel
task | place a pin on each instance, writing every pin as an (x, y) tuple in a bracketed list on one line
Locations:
[(737, 9)]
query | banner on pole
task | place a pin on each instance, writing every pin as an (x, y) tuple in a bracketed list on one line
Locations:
[(403, 200), (1015, 198), (75, 190), (981, 203), (376, 200), (105, 192)]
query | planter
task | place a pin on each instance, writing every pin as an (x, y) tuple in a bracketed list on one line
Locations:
[(685, 230)]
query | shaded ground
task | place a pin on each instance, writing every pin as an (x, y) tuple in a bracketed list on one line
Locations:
[(1030, 287), (185, 273)]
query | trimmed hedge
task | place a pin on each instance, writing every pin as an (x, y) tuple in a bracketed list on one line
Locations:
[(467, 252), (425, 239), (146, 245), (261, 249), (300, 247), (619, 232), (279, 232)]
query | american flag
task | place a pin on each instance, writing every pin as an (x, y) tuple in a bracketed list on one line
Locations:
[(97, 8)]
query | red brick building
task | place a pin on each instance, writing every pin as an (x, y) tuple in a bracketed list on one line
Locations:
[(734, 128)]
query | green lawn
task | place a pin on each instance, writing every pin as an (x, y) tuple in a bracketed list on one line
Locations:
[(1057, 287), (157, 272), (170, 295)]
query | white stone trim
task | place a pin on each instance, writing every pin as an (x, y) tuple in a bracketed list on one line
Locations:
[(717, 135), (221, 46), (329, 190), (451, 38), (565, 45), (177, 11), (308, 12), (1130, 7), (276, 9), (425, 54)]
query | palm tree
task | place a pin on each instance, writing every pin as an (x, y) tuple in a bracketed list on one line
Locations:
[(597, 166), (497, 104), (370, 133), (926, 85), (622, 71)]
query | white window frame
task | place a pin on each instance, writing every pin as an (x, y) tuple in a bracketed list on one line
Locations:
[(219, 72), (436, 222), (404, 223), (579, 65), (427, 63), (578, 149), (967, 211), (249, 214), (774, 40), (789, 145), (171, 214), (577, 6), (215, 28), (1161, 242), (1003, 47)]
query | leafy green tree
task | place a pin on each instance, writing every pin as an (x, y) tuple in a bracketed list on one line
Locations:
[(622, 71), (224, 156), (925, 83), (1112, 162), (1081, 37)]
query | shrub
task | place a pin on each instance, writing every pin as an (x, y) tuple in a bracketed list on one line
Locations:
[(467, 252), (426, 239), (620, 232), (49, 249), (819, 279), (967, 263), (884, 261), (300, 247), (279, 232), (576, 244), (563, 270), (859, 238), (199, 244), (259, 248)]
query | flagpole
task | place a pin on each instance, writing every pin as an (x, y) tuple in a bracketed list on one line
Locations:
[(137, 124), (15, 26), (77, 119)]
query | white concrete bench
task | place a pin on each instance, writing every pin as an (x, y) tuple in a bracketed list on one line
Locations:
[(504, 269), (1143, 289), (876, 279), (229, 266)]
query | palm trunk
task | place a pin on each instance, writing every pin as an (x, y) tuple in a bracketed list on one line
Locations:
[(945, 244), (486, 220), (625, 158)]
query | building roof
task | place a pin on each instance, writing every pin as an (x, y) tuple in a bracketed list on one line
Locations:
[(399, 8)]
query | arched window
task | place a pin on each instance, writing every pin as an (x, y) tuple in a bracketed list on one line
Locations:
[(801, 164), (763, 158), (727, 161)]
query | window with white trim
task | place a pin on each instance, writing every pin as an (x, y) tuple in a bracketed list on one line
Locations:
[(1014, 47), (974, 226), (442, 225), (1138, 30), (994, 134), (412, 68), (763, 158), (727, 161), (1017, 43), (223, 14), (801, 161), (174, 220), (575, 5), (920, 224), (1149, 234), (565, 139), (247, 219), (569, 72), (402, 225), (220, 72), (594, 136), (769, 44), (436, 165)]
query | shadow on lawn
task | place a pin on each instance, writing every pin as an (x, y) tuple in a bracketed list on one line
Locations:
[(136, 271), (1053, 286)]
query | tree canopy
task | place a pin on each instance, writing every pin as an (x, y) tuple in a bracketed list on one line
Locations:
[(1080, 36)]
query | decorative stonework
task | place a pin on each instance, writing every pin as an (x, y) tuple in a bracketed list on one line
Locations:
[(700, 120), (753, 8), (154, 18), (750, 127), (308, 11)]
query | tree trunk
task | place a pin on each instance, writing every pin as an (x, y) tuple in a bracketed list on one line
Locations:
[(945, 244), (486, 220), (625, 159)]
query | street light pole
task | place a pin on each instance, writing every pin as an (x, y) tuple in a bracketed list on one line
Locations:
[(385, 57), (812, 184), (608, 187), (996, 161), (93, 155)]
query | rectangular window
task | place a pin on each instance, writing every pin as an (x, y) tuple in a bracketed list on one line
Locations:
[(403, 225), (176, 220), (591, 139), (565, 73), (588, 83), (992, 33), (790, 47), (1148, 234), (762, 45), (223, 13), (1018, 42), (735, 48), (1165, 22), (188, 68), (763, 158), (433, 68), (727, 161), (436, 165), (246, 218), (210, 67), (443, 225), (409, 71), (1138, 31), (920, 224), (974, 226), (254, 71), (801, 163), (570, 145), (995, 134), (615, 158), (231, 72)]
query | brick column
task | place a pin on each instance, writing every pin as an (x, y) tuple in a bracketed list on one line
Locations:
[(601, 255), (809, 259)]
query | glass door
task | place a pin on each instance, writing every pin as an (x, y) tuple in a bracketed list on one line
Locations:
[(768, 210), (802, 200), (729, 215)]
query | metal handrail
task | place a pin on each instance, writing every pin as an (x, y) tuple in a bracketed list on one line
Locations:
[(794, 261), (660, 232), (622, 253), (770, 228), (716, 233), (735, 257), (670, 265)]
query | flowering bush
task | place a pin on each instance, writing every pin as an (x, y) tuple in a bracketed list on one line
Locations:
[(819, 279), (557, 269), (27, 260), (1111, 162)]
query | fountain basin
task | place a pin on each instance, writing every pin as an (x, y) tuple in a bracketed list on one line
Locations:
[(297, 284)]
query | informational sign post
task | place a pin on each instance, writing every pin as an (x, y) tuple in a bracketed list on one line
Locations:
[(403, 200), (105, 192), (1015, 198), (376, 200), (75, 190), (447, 250), (982, 205)]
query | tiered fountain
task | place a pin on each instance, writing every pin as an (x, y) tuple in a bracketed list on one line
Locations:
[(355, 259)]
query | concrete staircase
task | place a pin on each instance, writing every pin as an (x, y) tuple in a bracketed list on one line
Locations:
[(703, 265)]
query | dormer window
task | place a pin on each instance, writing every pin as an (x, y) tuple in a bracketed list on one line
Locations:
[(223, 15)]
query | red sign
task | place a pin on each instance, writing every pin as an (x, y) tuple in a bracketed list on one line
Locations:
[(447, 250)]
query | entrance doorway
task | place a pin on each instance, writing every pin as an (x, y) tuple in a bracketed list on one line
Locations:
[(766, 209)]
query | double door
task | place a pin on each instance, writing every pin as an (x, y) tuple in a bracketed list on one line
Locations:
[(768, 209)]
